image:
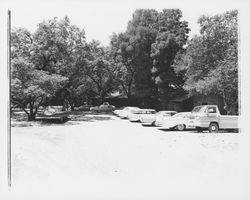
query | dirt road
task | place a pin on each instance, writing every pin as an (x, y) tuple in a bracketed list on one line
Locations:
[(110, 158)]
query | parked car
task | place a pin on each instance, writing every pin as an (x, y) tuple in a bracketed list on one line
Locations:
[(83, 108), (209, 117), (53, 113), (118, 111), (105, 107), (149, 119), (134, 115), (179, 121), (161, 118), (126, 111)]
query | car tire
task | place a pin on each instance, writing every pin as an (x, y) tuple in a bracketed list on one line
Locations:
[(213, 128), (180, 127)]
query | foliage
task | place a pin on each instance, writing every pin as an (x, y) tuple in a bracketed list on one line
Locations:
[(30, 87), (96, 71), (142, 32), (122, 62), (57, 46), (143, 54), (60, 48), (210, 62), (172, 36)]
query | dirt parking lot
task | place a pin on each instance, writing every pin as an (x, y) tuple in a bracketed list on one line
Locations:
[(106, 157)]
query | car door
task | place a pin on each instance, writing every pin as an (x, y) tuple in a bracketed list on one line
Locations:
[(212, 114)]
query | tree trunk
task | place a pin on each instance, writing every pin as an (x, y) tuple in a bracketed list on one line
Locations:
[(31, 117), (164, 99), (32, 114)]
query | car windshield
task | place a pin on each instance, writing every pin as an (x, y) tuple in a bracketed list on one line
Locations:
[(150, 112), (184, 115), (197, 109), (130, 108), (178, 115), (136, 111)]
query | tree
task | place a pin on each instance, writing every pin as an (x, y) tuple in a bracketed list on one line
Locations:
[(171, 37), (96, 71), (30, 87), (122, 68), (57, 46), (145, 52), (210, 62), (60, 47), (142, 32)]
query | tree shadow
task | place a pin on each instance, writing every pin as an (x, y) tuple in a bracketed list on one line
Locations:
[(90, 117), (19, 119)]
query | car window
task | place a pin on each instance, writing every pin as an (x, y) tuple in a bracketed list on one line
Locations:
[(211, 110), (167, 114), (151, 112), (177, 115), (173, 113), (196, 109)]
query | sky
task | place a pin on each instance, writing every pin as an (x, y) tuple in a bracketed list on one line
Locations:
[(100, 19)]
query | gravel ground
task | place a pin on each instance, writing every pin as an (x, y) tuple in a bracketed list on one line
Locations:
[(104, 157)]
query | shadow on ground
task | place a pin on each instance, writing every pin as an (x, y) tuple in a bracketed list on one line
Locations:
[(19, 119), (90, 117), (197, 132)]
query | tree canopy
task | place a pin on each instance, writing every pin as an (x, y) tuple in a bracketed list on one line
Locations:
[(210, 62), (146, 51)]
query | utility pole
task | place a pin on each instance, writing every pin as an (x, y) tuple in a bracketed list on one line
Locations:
[(9, 106)]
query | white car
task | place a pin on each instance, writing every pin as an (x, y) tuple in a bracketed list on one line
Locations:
[(149, 119), (126, 111), (179, 121), (118, 111), (135, 115), (105, 107)]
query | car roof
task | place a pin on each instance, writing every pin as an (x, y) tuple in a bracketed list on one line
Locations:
[(132, 108), (183, 113)]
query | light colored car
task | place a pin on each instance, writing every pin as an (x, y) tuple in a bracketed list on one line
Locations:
[(179, 121), (105, 107), (126, 111), (149, 119), (118, 111), (160, 119), (134, 115)]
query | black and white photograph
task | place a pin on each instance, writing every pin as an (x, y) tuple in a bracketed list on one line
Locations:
[(125, 100)]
